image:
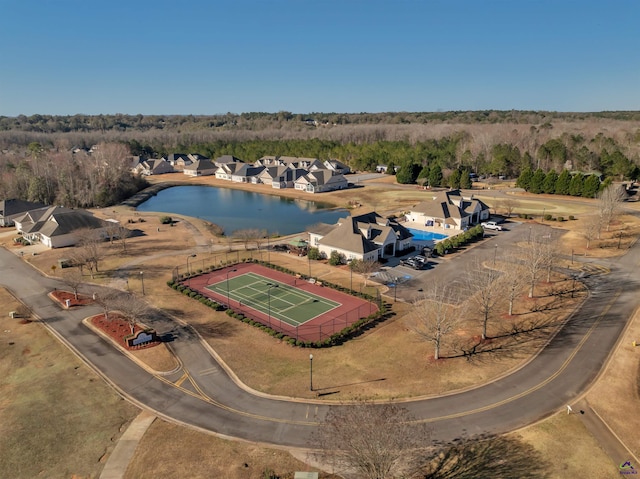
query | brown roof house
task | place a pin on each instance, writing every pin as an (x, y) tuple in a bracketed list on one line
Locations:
[(449, 210), (56, 227), (365, 237)]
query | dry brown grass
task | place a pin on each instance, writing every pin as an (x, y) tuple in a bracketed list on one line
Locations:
[(616, 396), (57, 418), (194, 454), (568, 448), (381, 363)]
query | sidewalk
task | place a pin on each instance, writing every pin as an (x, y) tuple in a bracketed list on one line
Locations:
[(122, 454)]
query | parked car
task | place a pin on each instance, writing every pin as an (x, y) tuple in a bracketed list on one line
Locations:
[(491, 225)]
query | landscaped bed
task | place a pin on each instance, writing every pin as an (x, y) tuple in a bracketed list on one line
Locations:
[(118, 329)]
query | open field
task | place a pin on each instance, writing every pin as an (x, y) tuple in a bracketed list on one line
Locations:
[(381, 363)]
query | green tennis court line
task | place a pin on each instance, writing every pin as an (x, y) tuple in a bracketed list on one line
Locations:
[(284, 303)]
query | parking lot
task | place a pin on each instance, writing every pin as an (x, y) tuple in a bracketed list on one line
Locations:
[(409, 283)]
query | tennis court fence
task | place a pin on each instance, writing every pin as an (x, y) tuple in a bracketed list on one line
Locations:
[(315, 330)]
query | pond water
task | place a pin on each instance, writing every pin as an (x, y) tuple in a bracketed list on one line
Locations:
[(237, 209)]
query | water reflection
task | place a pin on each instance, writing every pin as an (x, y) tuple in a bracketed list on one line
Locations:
[(236, 209)]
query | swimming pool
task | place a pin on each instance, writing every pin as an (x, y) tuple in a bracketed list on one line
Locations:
[(419, 235)]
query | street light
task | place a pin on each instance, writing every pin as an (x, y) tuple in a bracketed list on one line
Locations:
[(495, 254), (311, 372), (269, 300), (190, 256), (228, 300), (142, 281)]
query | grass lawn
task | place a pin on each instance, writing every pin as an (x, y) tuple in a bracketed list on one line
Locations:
[(57, 418)]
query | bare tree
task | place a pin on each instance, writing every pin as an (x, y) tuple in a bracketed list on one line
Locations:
[(72, 277), (484, 290), (512, 280), (372, 441), (88, 252), (534, 259), (510, 204), (260, 238), (365, 268), (591, 229), (247, 236), (132, 309), (609, 201), (107, 300), (435, 317)]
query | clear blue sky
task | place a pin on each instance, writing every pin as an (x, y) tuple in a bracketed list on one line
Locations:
[(211, 56)]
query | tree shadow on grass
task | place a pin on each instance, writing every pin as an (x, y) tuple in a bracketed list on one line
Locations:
[(495, 457)]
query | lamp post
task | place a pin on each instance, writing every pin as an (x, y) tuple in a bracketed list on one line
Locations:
[(228, 300), (495, 254), (311, 372), (351, 278), (269, 300), (142, 281), (190, 256)]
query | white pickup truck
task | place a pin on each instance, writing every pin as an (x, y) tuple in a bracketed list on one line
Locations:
[(491, 225)]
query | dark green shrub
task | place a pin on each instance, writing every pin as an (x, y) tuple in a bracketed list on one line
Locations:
[(166, 220)]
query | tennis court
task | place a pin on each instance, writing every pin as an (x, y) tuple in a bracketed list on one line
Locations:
[(289, 304), (278, 300)]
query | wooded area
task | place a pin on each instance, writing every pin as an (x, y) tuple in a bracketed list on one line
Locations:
[(43, 157)]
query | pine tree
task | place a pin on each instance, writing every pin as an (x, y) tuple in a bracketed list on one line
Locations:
[(562, 184), (549, 184)]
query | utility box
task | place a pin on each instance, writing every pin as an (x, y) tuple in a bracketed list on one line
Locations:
[(13, 314)]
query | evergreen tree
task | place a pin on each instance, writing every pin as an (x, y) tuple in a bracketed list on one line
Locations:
[(524, 180), (575, 187), (562, 183), (549, 184), (591, 186), (454, 179), (465, 179), (435, 176), (536, 181)]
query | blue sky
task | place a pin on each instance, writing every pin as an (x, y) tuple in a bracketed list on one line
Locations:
[(207, 57)]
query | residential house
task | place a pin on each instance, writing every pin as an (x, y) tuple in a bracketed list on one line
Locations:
[(226, 170), (56, 227), (320, 181), (337, 167), (246, 174), (14, 208), (226, 160), (153, 167), (179, 160), (202, 167), (366, 237), (449, 209)]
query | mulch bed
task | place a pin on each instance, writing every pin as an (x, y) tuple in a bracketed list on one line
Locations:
[(117, 329), (62, 296)]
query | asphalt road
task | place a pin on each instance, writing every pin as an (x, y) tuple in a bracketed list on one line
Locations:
[(202, 392)]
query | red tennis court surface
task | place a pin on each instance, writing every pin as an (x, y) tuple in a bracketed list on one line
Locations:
[(321, 327)]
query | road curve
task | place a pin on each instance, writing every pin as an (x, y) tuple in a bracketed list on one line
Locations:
[(202, 394)]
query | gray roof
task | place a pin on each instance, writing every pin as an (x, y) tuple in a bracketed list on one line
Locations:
[(14, 207)]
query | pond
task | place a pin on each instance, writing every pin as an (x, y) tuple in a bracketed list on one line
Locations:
[(237, 209)]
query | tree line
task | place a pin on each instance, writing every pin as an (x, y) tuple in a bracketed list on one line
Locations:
[(69, 179)]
